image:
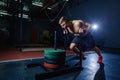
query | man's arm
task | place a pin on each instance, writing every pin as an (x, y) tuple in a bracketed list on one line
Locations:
[(65, 31), (86, 28)]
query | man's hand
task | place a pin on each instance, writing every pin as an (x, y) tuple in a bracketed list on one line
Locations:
[(65, 31), (80, 30), (76, 34)]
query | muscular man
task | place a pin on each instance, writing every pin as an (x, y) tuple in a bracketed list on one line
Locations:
[(83, 38)]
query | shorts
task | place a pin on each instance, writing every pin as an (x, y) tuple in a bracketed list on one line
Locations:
[(85, 42)]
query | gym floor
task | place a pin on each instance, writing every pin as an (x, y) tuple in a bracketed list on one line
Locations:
[(13, 66)]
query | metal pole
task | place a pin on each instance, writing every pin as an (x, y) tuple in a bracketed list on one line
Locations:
[(55, 32), (65, 40), (21, 24), (80, 49)]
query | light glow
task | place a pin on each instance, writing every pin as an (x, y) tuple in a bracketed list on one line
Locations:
[(95, 26)]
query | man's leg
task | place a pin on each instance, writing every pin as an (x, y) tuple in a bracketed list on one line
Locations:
[(74, 48), (98, 51)]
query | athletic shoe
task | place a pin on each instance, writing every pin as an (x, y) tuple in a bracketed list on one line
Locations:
[(100, 59)]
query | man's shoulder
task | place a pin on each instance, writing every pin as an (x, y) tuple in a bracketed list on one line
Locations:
[(77, 21)]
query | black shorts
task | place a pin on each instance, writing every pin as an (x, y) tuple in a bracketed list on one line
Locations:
[(85, 42)]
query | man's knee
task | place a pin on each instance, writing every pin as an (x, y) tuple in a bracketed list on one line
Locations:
[(72, 46)]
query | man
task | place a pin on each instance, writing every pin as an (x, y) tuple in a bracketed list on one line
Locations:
[(83, 38)]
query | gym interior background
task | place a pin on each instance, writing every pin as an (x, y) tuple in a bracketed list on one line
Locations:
[(35, 20), (31, 24)]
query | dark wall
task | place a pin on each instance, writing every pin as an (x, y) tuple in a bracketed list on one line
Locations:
[(105, 13), (39, 25), (4, 33)]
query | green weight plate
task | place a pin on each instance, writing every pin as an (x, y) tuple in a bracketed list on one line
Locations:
[(53, 56), (54, 53), (55, 60)]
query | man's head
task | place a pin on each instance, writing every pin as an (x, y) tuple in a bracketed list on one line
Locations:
[(63, 21)]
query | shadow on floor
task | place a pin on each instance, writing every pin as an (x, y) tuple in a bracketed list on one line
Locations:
[(100, 74)]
